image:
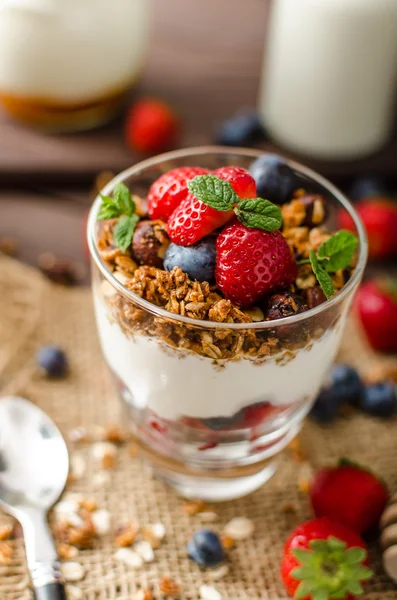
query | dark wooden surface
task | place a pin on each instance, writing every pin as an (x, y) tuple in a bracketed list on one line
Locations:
[(205, 59)]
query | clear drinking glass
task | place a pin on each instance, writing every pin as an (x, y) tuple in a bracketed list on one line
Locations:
[(213, 404)]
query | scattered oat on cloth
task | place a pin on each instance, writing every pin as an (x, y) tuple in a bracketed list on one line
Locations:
[(34, 312)]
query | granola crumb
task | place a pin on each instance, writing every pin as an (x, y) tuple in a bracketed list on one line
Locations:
[(169, 587), (193, 507), (144, 594), (133, 450), (129, 557), (289, 508), (66, 551), (78, 467), (5, 532), (105, 453), (227, 542), (154, 534), (296, 451), (115, 434), (6, 553), (101, 520), (88, 504), (208, 516), (72, 571), (126, 535), (218, 573), (145, 550), (304, 478)]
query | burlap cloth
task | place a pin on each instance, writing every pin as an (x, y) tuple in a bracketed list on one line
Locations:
[(33, 312)]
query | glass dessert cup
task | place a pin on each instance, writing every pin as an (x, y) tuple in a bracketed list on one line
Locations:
[(211, 404)]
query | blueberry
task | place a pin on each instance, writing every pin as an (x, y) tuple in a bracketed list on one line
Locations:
[(205, 548), (52, 360), (219, 423), (345, 386), (197, 261), (347, 383), (380, 399), (243, 128), (326, 406), (275, 180), (366, 187)]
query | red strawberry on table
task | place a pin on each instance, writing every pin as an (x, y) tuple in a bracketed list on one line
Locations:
[(379, 216), (322, 560), (377, 309), (350, 495), (252, 263), (151, 126), (168, 191), (193, 219)]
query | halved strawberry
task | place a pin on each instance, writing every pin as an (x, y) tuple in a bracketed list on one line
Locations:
[(193, 220), (168, 191)]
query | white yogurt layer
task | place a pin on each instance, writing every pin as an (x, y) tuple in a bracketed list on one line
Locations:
[(71, 51), (177, 383)]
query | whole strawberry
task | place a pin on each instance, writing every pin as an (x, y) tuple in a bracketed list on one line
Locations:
[(168, 191), (252, 263), (349, 495), (377, 309), (151, 126), (379, 216), (195, 218), (322, 560)]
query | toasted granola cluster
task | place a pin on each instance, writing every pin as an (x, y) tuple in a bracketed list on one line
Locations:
[(179, 295)]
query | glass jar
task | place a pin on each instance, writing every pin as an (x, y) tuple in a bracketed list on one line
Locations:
[(67, 66), (212, 404)]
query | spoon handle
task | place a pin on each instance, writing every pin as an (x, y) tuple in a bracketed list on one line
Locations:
[(51, 591)]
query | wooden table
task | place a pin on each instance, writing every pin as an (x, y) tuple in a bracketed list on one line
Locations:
[(205, 59)]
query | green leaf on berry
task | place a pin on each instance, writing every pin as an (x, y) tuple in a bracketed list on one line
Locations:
[(124, 231), (213, 191), (304, 589), (258, 213), (322, 276), (337, 252), (120, 204)]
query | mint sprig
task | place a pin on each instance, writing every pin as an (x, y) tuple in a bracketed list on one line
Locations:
[(334, 254), (122, 206), (217, 193)]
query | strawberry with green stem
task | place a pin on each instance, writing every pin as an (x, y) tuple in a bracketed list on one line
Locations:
[(324, 560), (335, 254), (122, 206)]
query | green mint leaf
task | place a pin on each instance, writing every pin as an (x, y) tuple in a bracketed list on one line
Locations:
[(213, 191), (108, 209), (121, 204), (123, 199), (124, 231), (259, 214), (322, 276), (337, 252)]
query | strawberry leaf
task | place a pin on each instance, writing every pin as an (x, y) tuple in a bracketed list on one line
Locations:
[(337, 252), (213, 191), (303, 590), (354, 587), (303, 556), (259, 214), (322, 276), (124, 231), (355, 555)]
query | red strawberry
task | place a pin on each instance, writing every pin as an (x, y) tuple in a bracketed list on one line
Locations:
[(377, 308), (323, 559), (193, 220), (241, 181), (151, 126), (168, 191), (350, 495), (379, 216), (252, 263)]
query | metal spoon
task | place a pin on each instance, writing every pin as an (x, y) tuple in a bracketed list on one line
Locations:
[(34, 467)]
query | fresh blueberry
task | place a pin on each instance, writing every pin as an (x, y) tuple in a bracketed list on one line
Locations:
[(347, 383), (275, 180), (197, 261), (53, 361), (243, 128), (326, 406), (366, 187), (205, 548), (380, 399)]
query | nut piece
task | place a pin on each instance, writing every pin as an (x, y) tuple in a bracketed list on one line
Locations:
[(315, 296), (193, 507), (150, 243), (126, 535), (207, 592), (239, 528), (284, 304), (129, 558), (169, 587), (72, 571), (316, 210), (65, 551)]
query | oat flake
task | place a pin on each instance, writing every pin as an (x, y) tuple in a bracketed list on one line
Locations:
[(77, 466), (72, 571), (218, 573), (129, 558), (158, 530), (239, 528), (207, 592), (145, 551), (101, 520)]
